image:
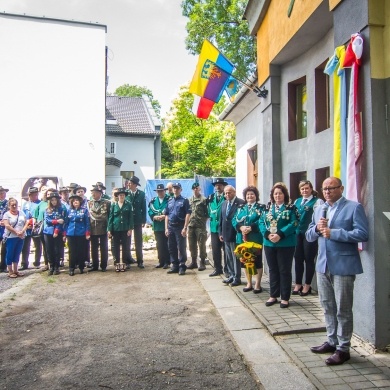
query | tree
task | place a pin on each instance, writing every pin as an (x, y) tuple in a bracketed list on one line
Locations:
[(195, 146), (221, 22), (136, 91)]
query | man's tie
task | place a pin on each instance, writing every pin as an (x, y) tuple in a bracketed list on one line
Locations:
[(228, 207), (304, 201)]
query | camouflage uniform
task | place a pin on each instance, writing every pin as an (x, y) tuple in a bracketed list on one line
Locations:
[(197, 232)]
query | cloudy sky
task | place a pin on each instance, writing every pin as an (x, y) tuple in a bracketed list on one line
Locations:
[(145, 39)]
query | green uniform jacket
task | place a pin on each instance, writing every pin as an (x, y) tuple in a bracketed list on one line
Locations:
[(246, 216), (138, 202), (305, 213), (199, 214), (287, 221), (157, 208), (121, 218), (214, 209)]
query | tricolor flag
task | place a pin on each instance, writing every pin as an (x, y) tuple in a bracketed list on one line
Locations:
[(212, 73)]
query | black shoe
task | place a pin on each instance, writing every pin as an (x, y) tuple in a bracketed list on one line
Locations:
[(56, 271), (324, 348), (257, 291), (71, 272), (166, 266), (132, 261), (234, 284), (173, 271), (81, 271), (339, 357), (296, 292), (158, 266), (246, 289), (141, 265), (302, 294), (103, 270), (215, 273), (227, 281), (284, 305), (271, 303), (23, 268), (182, 272), (93, 269)]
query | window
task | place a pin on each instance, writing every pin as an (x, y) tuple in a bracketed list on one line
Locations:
[(322, 100), (112, 147), (297, 109), (295, 178), (321, 175), (252, 166)]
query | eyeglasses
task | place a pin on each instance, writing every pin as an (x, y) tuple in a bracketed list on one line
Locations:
[(330, 189)]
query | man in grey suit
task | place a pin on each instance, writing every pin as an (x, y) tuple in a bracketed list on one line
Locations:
[(339, 225), (227, 234)]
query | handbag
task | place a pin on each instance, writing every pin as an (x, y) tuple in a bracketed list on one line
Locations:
[(37, 229)]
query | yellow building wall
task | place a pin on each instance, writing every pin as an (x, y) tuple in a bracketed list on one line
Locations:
[(277, 29), (379, 21)]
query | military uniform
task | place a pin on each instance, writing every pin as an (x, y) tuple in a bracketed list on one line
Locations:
[(157, 207), (137, 200), (99, 211), (120, 221), (214, 203), (197, 233), (176, 212)]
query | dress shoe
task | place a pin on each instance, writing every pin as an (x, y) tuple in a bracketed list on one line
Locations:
[(193, 265), (166, 266), (141, 265), (257, 291), (304, 294), (23, 268), (215, 273), (81, 271), (227, 281), (93, 269), (296, 292), (235, 283), (182, 272), (271, 303), (71, 272), (324, 348), (103, 270), (158, 266), (284, 305), (339, 357), (246, 289), (173, 271), (132, 261)]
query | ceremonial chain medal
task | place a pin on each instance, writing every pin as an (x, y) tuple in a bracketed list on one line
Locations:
[(249, 213), (273, 222)]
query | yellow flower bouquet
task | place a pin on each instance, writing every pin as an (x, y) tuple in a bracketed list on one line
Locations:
[(246, 253)]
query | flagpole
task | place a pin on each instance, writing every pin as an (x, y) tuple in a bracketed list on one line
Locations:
[(259, 92)]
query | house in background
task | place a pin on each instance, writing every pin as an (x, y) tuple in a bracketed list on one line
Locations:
[(133, 142), (288, 136)]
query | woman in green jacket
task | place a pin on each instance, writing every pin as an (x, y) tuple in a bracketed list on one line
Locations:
[(278, 226), (246, 223), (120, 227)]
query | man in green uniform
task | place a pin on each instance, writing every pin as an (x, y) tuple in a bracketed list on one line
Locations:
[(214, 203), (156, 212), (137, 199), (197, 233)]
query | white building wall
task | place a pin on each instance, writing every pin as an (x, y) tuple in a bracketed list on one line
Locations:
[(248, 135), (52, 101), (131, 149)]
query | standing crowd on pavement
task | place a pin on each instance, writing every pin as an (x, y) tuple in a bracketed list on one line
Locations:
[(302, 230)]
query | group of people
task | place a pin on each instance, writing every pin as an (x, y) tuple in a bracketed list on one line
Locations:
[(66, 217), (302, 230)]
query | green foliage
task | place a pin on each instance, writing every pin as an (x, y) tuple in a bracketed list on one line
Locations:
[(220, 21), (136, 91), (191, 145)]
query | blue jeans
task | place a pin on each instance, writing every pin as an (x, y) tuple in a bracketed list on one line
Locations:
[(14, 249), (177, 245)]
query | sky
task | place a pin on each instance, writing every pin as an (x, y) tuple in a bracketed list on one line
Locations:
[(145, 39)]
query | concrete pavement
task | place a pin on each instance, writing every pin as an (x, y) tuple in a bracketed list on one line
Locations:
[(276, 342)]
